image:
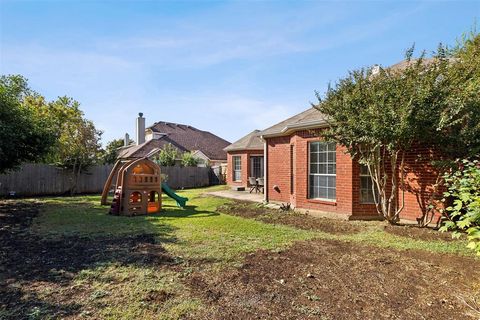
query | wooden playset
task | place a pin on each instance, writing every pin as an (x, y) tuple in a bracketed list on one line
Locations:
[(137, 190)]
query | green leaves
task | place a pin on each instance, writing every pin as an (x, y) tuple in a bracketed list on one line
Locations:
[(463, 215), (26, 134), (111, 151), (167, 156), (378, 115), (188, 160)]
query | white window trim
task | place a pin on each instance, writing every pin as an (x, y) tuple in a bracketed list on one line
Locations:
[(250, 158), (360, 186), (319, 174), (233, 168)]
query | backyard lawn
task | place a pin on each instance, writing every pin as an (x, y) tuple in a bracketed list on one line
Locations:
[(220, 259)]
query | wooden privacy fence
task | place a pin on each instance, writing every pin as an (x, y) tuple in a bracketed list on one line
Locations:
[(186, 177), (42, 179)]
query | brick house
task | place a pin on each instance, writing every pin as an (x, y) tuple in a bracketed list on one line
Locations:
[(245, 159), (311, 174)]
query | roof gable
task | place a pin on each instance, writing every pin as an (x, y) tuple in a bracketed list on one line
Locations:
[(251, 141), (307, 118)]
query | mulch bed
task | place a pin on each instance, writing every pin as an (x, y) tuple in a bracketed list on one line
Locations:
[(301, 221), (335, 226), (414, 232), (334, 280)]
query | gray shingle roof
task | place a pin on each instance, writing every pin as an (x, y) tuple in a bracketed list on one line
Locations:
[(251, 141), (183, 137), (146, 148), (306, 118), (402, 65)]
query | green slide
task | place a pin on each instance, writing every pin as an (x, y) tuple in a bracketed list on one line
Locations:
[(169, 192)]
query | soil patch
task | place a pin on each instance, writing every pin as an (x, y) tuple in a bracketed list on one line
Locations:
[(301, 221), (417, 233), (322, 279), (30, 264), (259, 212)]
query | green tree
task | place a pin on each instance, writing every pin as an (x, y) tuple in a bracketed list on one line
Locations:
[(167, 156), (26, 133), (380, 116), (78, 144), (111, 150), (188, 160)]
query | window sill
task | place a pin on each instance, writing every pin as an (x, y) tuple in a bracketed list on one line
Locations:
[(323, 201)]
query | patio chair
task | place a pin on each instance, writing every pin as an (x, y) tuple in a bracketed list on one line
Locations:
[(261, 184), (253, 184)]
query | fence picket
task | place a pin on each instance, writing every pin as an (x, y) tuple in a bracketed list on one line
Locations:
[(35, 179)]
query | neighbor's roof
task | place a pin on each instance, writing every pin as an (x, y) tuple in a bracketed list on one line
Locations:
[(251, 141), (402, 65), (183, 137), (310, 118), (147, 148)]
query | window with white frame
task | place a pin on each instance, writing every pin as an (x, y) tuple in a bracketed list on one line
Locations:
[(322, 172), (256, 166), (366, 185), (237, 168)]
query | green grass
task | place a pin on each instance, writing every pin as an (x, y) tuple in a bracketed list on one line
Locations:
[(197, 233), (380, 238)]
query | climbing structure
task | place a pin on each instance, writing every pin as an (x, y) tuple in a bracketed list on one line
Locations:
[(137, 189)]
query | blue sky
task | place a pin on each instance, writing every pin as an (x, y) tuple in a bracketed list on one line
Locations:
[(225, 67)]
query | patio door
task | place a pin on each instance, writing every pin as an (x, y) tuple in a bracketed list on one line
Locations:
[(256, 166)]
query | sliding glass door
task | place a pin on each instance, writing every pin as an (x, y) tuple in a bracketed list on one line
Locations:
[(256, 166)]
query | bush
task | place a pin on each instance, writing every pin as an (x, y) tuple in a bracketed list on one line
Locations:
[(463, 188), (167, 156), (188, 160)]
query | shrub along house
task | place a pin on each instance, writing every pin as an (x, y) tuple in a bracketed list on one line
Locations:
[(309, 173)]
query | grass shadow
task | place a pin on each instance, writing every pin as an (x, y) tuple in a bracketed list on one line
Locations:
[(187, 211), (32, 264)]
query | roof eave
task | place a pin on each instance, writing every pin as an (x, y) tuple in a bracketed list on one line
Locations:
[(295, 127), (242, 149)]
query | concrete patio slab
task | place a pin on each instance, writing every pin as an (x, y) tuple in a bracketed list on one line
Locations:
[(238, 195)]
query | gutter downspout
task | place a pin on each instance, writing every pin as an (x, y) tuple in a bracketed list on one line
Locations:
[(265, 170)]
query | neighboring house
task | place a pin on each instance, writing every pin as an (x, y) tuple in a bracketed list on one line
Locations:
[(309, 173), (206, 146), (245, 159)]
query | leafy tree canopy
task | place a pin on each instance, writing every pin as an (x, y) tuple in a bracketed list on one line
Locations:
[(78, 145), (167, 156), (188, 160), (380, 115), (26, 133), (111, 150)]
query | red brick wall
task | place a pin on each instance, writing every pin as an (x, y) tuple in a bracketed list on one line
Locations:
[(419, 178), (279, 174), (246, 164), (278, 169)]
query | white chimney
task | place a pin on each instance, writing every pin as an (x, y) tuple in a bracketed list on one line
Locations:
[(140, 129), (126, 142)]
